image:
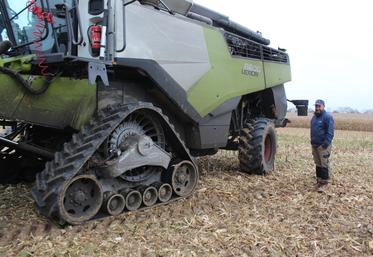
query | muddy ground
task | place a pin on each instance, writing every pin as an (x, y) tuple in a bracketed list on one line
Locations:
[(230, 214)]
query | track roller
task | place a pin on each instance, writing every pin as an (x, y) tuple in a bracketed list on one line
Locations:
[(133, 200), (115, 204), (165, 193), (150, 196)]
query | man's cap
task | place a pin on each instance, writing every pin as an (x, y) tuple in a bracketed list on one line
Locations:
[(320, 102)]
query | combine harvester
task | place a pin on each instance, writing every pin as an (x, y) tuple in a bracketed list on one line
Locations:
[(109, 101)]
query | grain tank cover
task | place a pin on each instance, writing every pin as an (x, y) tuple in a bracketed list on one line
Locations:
[(180, 6), (223, 21)]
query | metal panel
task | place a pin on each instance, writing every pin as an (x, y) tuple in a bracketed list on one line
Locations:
[(179, 6), (67, 102), (178, 45)]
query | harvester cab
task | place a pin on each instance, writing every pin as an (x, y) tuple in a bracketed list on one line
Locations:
[(55, 30), (25, 23), (106, 103)]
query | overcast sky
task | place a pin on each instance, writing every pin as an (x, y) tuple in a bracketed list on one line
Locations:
[(330, 44)]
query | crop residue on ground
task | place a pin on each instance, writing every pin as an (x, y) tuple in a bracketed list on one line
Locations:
[(230, 214)]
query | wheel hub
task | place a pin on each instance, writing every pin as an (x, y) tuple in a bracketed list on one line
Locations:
[(165, 193), (80, 197), (162, 191), (137, 124), (181, 178), (148, 196), (114, 204)]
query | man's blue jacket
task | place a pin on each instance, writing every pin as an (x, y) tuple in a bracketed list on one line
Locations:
[(322, 130)]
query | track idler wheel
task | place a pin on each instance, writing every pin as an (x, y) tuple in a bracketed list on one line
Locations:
[(115, 204), (184, 178), (150, 196), (133, 200), (80, 199), (165, 193)]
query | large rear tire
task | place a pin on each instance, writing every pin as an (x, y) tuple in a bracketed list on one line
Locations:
[(257, 147)]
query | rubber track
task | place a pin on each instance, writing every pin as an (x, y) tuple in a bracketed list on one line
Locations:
[(250, 147), (67, 163)]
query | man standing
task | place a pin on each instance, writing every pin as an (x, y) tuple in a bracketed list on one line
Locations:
[(322, 133)]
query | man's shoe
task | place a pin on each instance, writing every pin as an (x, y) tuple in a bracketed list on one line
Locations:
[(317, 185), (321, 186)]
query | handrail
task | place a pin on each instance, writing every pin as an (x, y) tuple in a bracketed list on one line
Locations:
[(124, 27), (69, 23)]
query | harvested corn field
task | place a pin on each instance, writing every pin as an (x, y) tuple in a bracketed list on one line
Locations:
[(230, 214), (343, 121)]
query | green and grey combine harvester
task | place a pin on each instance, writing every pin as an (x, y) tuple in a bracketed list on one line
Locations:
[(106, 103)]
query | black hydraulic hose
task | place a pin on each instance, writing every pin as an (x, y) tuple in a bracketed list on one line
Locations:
[(25, 84), (27, 148)]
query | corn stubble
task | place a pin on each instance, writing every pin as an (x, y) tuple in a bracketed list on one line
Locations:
[(230, 214)]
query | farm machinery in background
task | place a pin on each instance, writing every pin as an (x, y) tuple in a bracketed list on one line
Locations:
[(109, 102)]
